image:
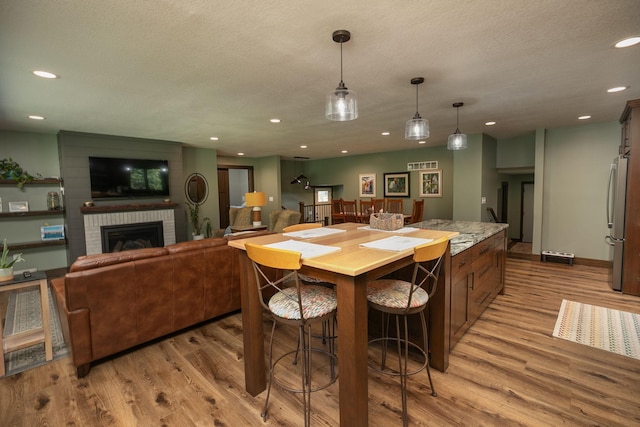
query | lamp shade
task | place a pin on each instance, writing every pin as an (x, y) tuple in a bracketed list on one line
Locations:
[(342, 104), (416, 128), (457, 141), (257, 198)]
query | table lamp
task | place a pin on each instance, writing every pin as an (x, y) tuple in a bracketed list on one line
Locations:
[(256, 199)]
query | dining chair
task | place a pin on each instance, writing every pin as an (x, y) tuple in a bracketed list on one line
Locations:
[(350, 211), (337, 211), (366, 209), (400, 298), (416, 212), (378, 204), (394, 206), (301, 306)]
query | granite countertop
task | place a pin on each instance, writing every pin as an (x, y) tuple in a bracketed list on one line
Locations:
[(470, 232)]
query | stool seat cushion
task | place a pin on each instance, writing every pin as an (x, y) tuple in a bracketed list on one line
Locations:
[(317, 301), (395, 294)]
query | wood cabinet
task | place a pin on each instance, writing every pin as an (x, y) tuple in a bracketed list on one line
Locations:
[(630, 121), (477, 276)]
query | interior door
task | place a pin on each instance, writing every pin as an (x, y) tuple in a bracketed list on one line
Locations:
[(526, 223), (228, 194)]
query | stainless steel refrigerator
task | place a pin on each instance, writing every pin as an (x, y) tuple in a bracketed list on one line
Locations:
[(616, 203)]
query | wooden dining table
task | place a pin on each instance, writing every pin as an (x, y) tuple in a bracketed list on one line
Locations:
[(349, 268)]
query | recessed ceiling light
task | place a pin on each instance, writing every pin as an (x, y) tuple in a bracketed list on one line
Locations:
[(628, 42), (617, 89), (344, 151), (240, 154), (45, 74), (386, 133), (584, 117), (214, 138), (490, 123), (275, 120), (422, 142), (303, 146), (36, 117)]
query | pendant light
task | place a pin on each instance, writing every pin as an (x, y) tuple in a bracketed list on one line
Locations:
[(457, 140), (342, 103), (298, 179), (417, 128)]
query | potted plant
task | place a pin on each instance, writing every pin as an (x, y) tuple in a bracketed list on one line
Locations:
[(197, 223), (9, 169), (6, 266)]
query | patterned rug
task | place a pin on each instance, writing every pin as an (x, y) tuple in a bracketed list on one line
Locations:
[(612, 330), (23, 313)]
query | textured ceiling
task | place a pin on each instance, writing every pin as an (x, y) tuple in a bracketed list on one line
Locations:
[(184, 71)]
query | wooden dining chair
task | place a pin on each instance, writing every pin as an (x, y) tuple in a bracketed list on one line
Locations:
[(366, 209), (394, 206), (350, 211), (337, 211), (416, 212), (400, 299), (298, 305), (378, 204)]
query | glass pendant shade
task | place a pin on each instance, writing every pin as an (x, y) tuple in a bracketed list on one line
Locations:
[(342, 104), (457, 141), (416, 128)]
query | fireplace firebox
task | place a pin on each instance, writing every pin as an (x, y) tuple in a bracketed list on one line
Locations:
[(117, 238)]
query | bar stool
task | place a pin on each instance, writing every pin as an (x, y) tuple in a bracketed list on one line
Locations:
[(301, 306), (401, 299)]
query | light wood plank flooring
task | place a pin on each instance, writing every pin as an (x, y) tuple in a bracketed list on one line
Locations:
[(507, 370)]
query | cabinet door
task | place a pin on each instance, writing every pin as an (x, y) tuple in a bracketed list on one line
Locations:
[(461, 281)]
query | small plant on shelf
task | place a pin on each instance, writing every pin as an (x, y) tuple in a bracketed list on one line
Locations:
[(9, 169)]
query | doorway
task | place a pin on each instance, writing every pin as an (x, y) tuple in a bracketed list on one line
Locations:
[(526, 212), (233, 183)]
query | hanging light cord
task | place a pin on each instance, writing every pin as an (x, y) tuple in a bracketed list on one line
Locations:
[(457, 120)]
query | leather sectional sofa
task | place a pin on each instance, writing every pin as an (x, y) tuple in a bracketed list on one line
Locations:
[(109, 303)]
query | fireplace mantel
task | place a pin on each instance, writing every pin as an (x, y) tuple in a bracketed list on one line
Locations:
[(127, 208)]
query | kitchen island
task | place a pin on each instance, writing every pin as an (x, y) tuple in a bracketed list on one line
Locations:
[(471, 277)]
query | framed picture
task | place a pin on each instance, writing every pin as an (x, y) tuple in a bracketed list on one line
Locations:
[(52, 232), (18, 207), (367, 184), (431, 183), (396, 184)]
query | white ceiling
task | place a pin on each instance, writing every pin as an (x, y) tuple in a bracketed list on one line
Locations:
[(186, 70)]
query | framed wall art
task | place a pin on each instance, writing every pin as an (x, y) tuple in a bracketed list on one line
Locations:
[(18, 207), (367, 184), (396, 184), (431, 183)]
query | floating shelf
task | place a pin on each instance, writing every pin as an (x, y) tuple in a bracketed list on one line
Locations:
[(47, 181), (30, 213), (38, 244)]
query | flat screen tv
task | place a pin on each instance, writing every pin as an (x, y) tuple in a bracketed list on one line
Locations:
[(128, 178)]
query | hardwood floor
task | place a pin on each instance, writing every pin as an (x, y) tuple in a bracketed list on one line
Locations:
[(507, 370)]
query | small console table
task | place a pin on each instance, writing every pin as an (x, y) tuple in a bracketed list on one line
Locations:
[(33, 336)]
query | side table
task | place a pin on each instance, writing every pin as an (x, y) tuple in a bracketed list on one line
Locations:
[(33, 336)]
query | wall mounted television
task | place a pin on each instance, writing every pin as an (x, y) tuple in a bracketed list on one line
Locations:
[(128, 178)]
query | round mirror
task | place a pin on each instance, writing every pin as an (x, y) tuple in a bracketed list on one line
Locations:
[(196, 188)]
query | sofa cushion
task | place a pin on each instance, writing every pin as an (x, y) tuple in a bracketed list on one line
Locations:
[(87, 262), (278, 220), (242, 216), (195, 245)]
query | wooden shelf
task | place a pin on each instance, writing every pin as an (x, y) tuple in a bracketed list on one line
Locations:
[(47, 181), (30, 213), (37, 244), (127, 208)]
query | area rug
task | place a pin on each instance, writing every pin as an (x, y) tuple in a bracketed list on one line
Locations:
[(611, 330), (23, 313)]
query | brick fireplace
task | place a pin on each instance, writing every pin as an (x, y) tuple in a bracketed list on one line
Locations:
[(95, 219)]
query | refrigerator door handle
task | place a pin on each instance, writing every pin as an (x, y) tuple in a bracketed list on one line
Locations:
[(611, 241), (609, 213)]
